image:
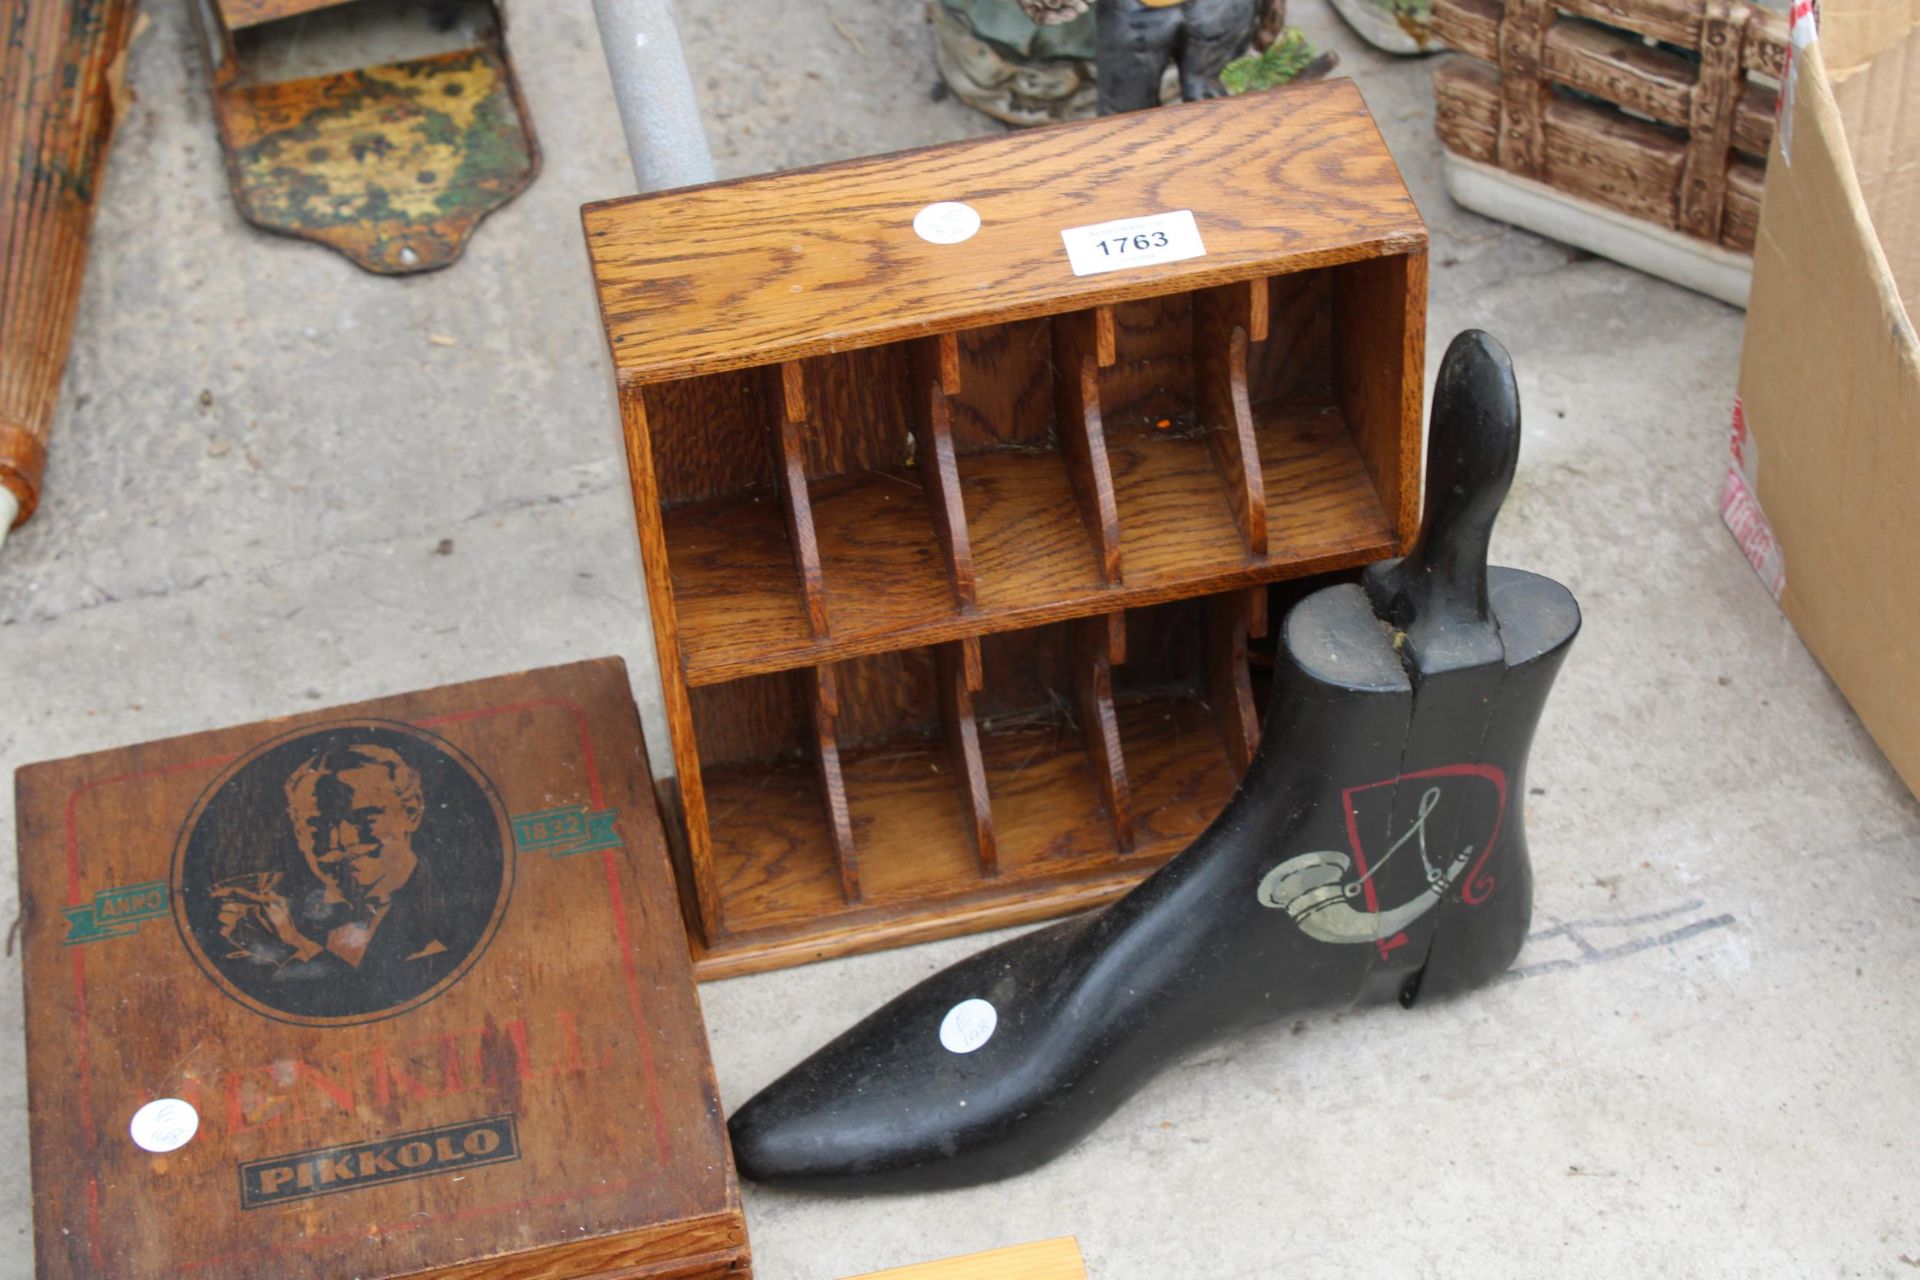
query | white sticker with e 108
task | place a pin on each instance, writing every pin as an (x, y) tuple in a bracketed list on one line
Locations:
[(163, 1125), (1133, 242), (968, 1025)]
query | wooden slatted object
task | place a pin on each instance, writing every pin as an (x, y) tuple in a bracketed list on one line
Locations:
[(953, 553), (1659, 109), (61, 72)]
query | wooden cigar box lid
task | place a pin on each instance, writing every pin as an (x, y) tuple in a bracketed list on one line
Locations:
[(397, 989)]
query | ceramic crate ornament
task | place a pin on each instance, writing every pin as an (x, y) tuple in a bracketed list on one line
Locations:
[(1635, 129)]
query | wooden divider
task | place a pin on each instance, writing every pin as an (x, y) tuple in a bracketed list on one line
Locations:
[(1084, 344), (1231, 619), (960, 677), (1763, 46), (1225, 320), (687, 792), (1099, 643), (1378, 374), (824, 704), (936, 376), (792, 473)]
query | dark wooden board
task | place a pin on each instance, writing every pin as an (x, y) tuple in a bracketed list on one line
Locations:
[(530, 1081)]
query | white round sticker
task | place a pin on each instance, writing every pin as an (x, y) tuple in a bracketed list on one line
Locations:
[(948, 222), (165, 1124), (968, 1025)]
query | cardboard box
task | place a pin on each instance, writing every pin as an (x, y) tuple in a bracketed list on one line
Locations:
[(1823, 490), (396, 989)]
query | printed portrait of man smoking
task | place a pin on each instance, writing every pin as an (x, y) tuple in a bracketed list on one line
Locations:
[(383, 870)]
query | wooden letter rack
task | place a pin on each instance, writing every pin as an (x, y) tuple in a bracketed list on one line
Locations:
[(954, 553)]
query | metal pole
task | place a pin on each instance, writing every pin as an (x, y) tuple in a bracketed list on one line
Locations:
[(655, 92)]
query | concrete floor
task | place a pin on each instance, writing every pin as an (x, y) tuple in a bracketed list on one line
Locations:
[(1703, 1065)]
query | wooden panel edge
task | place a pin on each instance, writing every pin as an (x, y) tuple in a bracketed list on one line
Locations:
[(716, 1240), (1095, 642), (795, 497), (1229, 623), (1103, 600), (960, 675), (1223, 321), (736, 956), (823, 702), (678, 705), (939, 467)]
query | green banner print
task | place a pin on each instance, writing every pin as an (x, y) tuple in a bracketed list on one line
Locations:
[(561, 833), (115, 913)]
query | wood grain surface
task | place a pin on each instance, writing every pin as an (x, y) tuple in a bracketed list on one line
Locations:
[(1380, 321), (238, 14), (1100, 643), (1084, 344), (910, 512), (823, 697), (985, 797), (1226, 321), (959, 666), (826, 259), (741, 610), (570, 1027), (792, 470), (1034, 553), (1052, 831), (934, 368), (61, 66)]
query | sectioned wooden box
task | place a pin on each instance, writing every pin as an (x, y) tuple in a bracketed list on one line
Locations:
[(407, 978), (953, 551)]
